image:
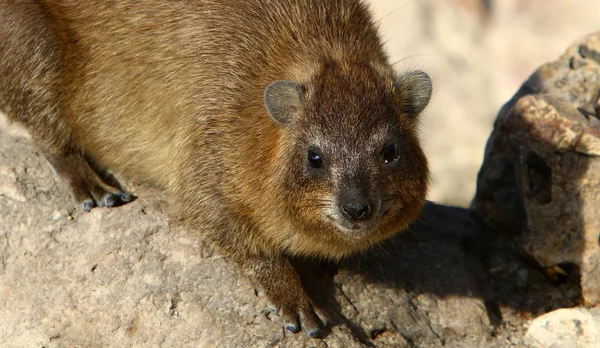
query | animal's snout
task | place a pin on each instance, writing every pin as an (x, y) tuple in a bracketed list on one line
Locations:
[(356, 209)]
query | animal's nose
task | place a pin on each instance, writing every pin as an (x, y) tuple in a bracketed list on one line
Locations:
[(356, 210)]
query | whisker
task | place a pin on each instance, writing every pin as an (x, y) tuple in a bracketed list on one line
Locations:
[(396, 10), (319, 200), (384, 252), (399, 248), (409, 56), (377, 258), (313, 206), (393, 198)]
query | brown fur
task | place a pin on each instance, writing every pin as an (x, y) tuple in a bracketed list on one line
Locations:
[(170, 93)]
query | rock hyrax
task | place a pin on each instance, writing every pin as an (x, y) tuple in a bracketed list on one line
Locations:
[(277, 128)]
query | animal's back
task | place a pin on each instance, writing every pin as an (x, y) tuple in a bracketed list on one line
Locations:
[(142, 79)]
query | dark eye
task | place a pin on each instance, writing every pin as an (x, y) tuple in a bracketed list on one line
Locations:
[(314, 159), (390, 153)]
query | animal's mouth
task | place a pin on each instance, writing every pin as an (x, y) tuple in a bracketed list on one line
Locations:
[(348, 226), (387, 211), (358, 229), (353, 231)]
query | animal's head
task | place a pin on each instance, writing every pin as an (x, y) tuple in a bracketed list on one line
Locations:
[(355, 172)]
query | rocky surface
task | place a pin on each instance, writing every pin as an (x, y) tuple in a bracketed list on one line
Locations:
[(131, 277), (541, 175), (573, 328)]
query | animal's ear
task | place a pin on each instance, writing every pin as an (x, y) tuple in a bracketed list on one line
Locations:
[(284, 100), (413, 89)]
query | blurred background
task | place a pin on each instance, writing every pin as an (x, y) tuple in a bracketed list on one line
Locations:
[(478, 52)]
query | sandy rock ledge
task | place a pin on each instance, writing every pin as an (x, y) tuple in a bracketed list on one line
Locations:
[(572, 327), (130, 277)]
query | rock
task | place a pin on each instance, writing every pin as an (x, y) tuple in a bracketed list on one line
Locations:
[(573, 328), (540, 180), (132, 277)]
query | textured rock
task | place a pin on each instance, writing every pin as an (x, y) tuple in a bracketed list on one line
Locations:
[(131, 277), (540, 180), (573, 328)]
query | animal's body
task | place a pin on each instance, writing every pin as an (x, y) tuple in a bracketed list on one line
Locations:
[(276, 128)]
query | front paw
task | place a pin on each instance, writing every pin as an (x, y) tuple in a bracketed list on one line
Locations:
[(282, 285), (302, 315)]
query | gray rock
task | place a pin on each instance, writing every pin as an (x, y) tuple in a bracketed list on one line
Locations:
[(132, 277), (540, 178), (573, 328)]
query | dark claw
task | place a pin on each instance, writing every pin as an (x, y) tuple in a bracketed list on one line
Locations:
[(125, 196), (87, 205), (109, 201), (324, 318), (325, 322), (315, 333), (292, 328)]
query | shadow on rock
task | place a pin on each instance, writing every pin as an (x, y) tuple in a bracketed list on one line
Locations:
[(528, 245)]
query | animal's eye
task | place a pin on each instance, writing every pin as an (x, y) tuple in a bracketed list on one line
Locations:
[(315, 160), (390, 153)]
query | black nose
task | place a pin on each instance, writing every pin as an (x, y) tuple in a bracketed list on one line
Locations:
[(356, 210)]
